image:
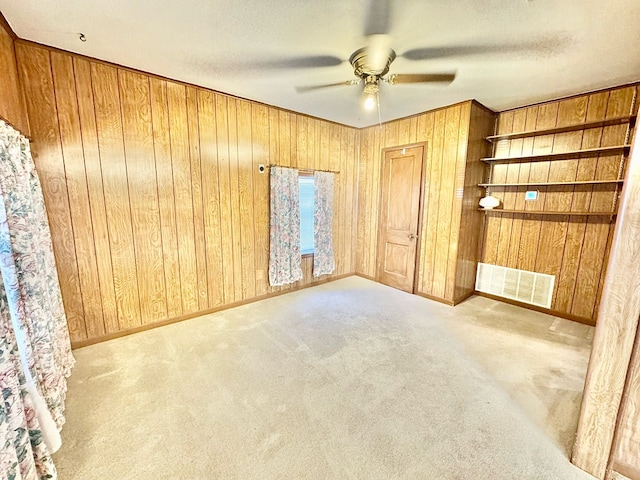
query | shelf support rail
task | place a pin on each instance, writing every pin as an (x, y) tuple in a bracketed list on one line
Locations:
[(488, 189), (627, 138)]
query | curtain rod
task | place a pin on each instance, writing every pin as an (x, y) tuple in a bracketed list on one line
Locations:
[(306, 169)]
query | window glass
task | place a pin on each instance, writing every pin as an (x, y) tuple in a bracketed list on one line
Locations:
[(306, 189)]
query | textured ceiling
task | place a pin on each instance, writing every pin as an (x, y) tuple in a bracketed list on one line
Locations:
[(506, 53)]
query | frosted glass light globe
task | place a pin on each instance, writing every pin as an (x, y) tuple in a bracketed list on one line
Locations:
[(489, 202)]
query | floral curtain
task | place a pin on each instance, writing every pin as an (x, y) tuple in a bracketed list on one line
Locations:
[(33, 319), (285, 264), (23, 452), (323, 261)]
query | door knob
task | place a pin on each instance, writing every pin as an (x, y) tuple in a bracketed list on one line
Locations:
[(412, 236)]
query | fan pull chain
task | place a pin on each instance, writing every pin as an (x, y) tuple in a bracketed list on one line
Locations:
[(378, 102)]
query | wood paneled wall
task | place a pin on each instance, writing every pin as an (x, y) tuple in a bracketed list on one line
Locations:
[(573, 248), (448, 188), (158, 211), (482, 122), (12, 108), (156, 206), (612, 386)]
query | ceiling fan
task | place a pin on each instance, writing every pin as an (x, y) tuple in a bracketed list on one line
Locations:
[(371, 63), (371, 66)]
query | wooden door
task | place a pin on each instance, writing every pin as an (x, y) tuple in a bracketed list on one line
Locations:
[(399, 216)]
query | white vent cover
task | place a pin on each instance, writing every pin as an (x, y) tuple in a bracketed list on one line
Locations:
[(521, 285)]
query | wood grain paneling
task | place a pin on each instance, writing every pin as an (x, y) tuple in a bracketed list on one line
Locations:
[(468, 177), (613, 344), (447, 181), (580, 200), (166, 195), (182, 190), (210, 196), (145, 212), (224, 182), (234, 198), (625, 458), (454, 131), (197, 198), (260, 153), (12, 105), (158, 210), (73, 157), (246, 200), (96, 199), (47, 154), (571, 247), (106, 94), (156, 205)]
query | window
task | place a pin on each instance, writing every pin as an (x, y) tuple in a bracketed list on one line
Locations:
[(307, 191)]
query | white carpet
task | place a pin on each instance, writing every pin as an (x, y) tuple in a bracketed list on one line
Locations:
[(347, 380)]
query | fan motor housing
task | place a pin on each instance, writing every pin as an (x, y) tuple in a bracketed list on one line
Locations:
[(361, 66)]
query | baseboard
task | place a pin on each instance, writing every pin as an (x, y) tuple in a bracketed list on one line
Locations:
[(131, 331), (366, 277), (436, 299), (425, 295), (162, 323), (463, 297), (555, 313)]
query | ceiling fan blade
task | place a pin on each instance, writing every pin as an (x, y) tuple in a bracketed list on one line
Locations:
[(429, 53), (378, 20), (421, 78), (310, 61), (541, 46), (311, 88)]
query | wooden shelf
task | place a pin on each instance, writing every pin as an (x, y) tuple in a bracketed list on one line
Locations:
[(548, 212), (551, 184), (561, 156), (569, 128), (575, 154)]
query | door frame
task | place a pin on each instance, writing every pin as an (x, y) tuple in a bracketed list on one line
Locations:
[(423, 173)]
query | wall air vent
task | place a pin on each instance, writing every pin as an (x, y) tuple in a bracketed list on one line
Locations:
[(521, 285)]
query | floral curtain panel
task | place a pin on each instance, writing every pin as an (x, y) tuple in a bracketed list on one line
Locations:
[(23, 452), (323, 260), (34, 325), (285, 264)]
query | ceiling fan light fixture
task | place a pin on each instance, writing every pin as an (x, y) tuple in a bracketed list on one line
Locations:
[(371, 84), (371, 89), (371, 66), (370, 101)]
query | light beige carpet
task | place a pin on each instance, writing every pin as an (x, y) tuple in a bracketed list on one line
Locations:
[(347, 380), (539, 360)]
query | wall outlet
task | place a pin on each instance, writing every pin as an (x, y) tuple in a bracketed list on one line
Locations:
[(259, 274)]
